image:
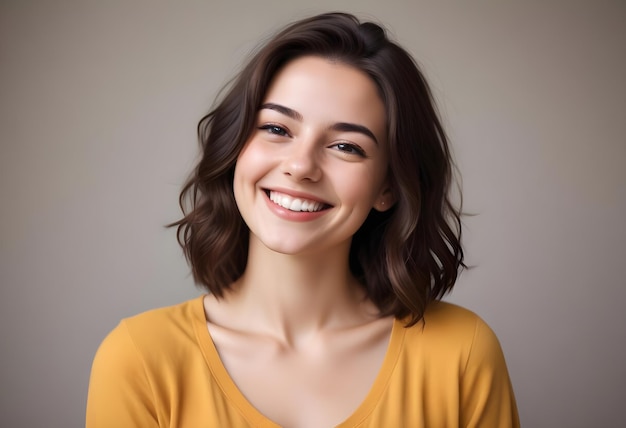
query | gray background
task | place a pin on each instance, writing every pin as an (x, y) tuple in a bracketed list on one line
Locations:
[(98, 107)]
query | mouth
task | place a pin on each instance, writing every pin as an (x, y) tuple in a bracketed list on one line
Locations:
[(295, 204)]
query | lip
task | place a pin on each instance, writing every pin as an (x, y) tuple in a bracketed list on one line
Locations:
[(298, 216)]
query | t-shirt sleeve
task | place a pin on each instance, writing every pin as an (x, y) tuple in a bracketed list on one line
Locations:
[(487, 398), (120, 394)]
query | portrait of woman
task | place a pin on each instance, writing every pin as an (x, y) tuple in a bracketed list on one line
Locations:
[(340, 213), (319, 222)]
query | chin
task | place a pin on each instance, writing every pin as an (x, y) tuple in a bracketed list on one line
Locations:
[(286, 247)]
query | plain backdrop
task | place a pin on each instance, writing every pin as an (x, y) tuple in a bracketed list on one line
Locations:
[(98, 106)]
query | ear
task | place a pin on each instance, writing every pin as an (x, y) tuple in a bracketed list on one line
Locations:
[(385, 200)]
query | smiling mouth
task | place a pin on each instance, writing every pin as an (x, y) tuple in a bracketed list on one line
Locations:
[(295, 204)]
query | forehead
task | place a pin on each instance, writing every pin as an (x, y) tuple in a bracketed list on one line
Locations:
[(327, 90)]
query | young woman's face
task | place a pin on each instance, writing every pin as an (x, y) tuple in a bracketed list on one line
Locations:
[(316, 162)]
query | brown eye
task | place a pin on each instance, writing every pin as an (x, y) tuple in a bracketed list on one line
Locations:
[(274, 129), (351, 149)]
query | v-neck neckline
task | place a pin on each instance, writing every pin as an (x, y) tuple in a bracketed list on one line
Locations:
[(258, 419)]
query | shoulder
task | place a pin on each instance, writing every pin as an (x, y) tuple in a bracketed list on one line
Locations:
[(453, 350), (453, 320), (138, 365), (449, 314), (152, 333), (449, 331), (165, 321)]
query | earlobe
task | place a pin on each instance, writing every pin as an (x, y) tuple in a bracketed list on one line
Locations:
[(382, 206), (385, 201)]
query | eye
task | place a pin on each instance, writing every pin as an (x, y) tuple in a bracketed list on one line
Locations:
[(350, 149), (274, 129)]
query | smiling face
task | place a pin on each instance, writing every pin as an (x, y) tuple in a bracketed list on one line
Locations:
[(316, 162)]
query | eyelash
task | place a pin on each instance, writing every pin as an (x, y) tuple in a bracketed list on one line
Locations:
[(346, 148), (275, 129), (351, 149)]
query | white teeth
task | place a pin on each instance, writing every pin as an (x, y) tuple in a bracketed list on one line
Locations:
[(295, 204)]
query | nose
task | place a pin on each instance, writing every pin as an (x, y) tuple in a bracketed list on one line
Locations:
[(301, 162)]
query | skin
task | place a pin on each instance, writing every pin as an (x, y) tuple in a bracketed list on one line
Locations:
[(296, 333)]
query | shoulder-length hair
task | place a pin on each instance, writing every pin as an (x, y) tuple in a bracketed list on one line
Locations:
[(405, 257)]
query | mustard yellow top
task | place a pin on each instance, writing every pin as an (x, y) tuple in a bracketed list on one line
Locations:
[(161, 369)]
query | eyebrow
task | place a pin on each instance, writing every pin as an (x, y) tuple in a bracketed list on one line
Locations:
[(340, 126)]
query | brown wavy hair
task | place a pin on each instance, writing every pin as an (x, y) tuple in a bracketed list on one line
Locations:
[(405, 257)]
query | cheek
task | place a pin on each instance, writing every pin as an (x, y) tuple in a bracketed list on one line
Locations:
[(254, 157), (248, 162), (237, 187), (252, 165), (359, 189), (241, 178)]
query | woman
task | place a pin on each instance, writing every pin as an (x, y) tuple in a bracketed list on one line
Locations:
[(318, 219)]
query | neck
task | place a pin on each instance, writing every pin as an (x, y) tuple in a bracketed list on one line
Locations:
[(294, 296)]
